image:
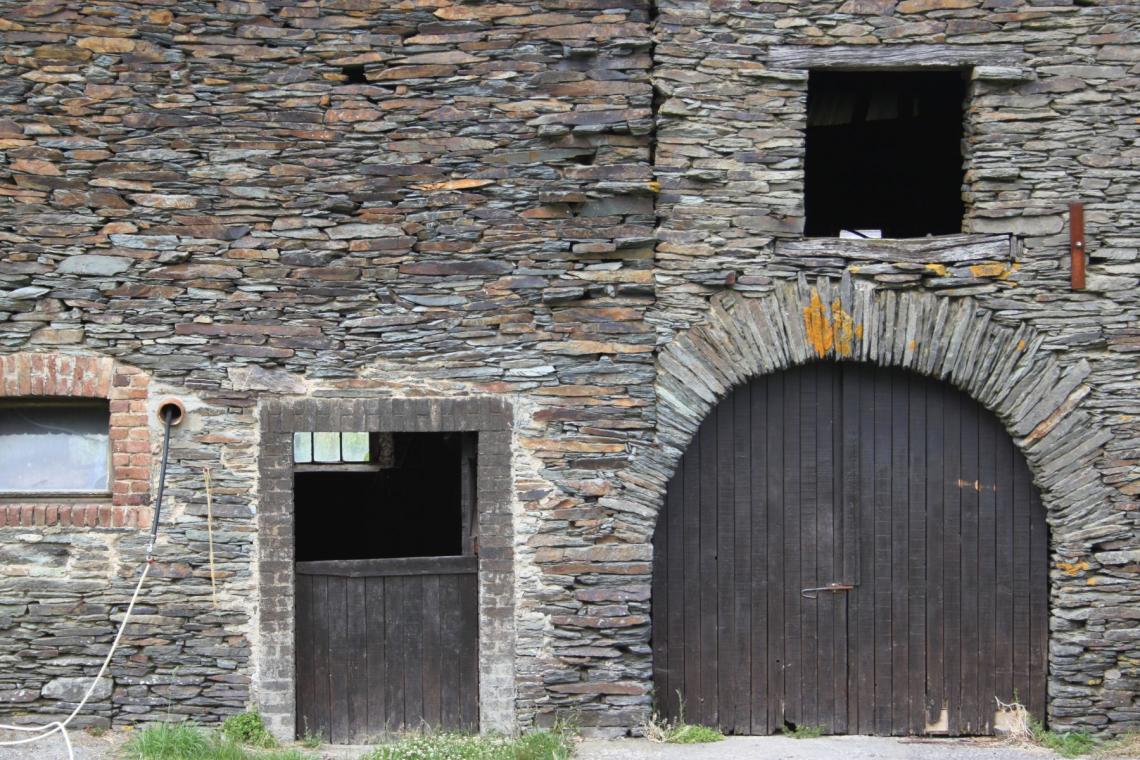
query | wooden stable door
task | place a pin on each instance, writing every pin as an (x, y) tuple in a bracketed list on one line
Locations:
[(851, 548)]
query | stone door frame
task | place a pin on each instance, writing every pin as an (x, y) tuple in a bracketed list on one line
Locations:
[(275, 679)]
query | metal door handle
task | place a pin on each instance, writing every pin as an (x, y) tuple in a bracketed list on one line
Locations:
[(834, 588)]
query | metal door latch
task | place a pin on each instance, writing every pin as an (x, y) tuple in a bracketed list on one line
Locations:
[(834, 588)]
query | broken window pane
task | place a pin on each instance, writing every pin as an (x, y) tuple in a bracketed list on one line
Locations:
[(54, 447)]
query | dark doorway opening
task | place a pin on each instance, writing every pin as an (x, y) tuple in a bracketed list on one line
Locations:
[(411, 506), (884, 153)]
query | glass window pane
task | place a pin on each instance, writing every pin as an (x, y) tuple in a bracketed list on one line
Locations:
[(326, 447), (54, 448), (354, 447), (302, 447)]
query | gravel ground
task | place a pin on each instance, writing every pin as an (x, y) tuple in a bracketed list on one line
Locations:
[(823, 748), (89, 747), (86, 747)]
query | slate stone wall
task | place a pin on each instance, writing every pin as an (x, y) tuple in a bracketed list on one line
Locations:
[(503, 207)]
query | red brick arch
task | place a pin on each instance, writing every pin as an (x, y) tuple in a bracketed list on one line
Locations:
[(32, 375)]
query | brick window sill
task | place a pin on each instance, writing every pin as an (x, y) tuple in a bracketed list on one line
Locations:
[(85, 513)]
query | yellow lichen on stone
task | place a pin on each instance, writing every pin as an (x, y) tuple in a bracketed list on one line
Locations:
[(1073, 568), (844, 329), (1021, 345), (819, 331), (991, 269), (938, 269), (825, 332)]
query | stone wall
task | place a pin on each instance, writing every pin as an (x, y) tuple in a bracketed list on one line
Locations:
[(206, 192)]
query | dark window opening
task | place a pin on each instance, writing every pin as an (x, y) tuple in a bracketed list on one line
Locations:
[(418, 504), (884, 153), (354, 74)]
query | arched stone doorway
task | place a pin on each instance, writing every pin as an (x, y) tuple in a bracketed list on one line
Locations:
[(855, 548), (1003, 365)]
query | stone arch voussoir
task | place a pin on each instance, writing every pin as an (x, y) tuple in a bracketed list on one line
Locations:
[(1005, 368)]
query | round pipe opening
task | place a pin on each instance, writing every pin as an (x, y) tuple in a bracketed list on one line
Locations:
[(174, 408)]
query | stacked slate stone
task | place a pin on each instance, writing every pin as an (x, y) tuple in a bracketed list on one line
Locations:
[(248, 199)]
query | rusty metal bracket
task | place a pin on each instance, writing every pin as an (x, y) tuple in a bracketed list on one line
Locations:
[(1077, 245), (833, 588)]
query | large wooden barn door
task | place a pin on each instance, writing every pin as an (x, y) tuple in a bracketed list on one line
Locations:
[(851, 548)]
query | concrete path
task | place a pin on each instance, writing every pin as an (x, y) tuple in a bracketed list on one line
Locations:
[(823, 748)]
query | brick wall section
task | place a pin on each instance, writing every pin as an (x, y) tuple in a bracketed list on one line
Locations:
[(27, 375)]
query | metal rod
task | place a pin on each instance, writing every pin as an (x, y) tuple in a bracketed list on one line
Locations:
[(1077, 245), (168, 417)]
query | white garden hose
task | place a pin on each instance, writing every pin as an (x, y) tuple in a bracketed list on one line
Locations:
[(171, 413)]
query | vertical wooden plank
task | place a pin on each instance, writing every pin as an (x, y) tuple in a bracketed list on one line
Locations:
[(679, 612), (858, 671), (900, 586), (916, 554), (339, 729), (828, 570), (710, 676), (952, 562), (413, 650), (432, 654), (1022, 583), (725, 564), (792, 523), (882, 547), (374, 626), (1038, 603), (692, 694), (811, 610), (762, 695), (833, 670), (659, 603), (394, 652), (469, 651), (743, 603), (935, 539), (451, 635), (777, 538), (356, 655), (970, 486), (305, 645), (869, 624), (1003, 569), (988, 434)]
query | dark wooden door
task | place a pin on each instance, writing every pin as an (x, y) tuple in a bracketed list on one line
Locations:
[(385, 645), (908, 500)]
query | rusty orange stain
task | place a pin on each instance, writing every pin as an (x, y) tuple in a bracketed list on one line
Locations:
[(825, 331), (1073, 568), (938, 269)]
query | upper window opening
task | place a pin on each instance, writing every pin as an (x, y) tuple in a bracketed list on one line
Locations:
[(54, 447), (884, 153)]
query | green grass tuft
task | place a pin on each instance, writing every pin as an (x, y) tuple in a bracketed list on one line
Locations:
[(1065, 744), (185, 741), (803, 732), (689, 734), (248, 728)]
